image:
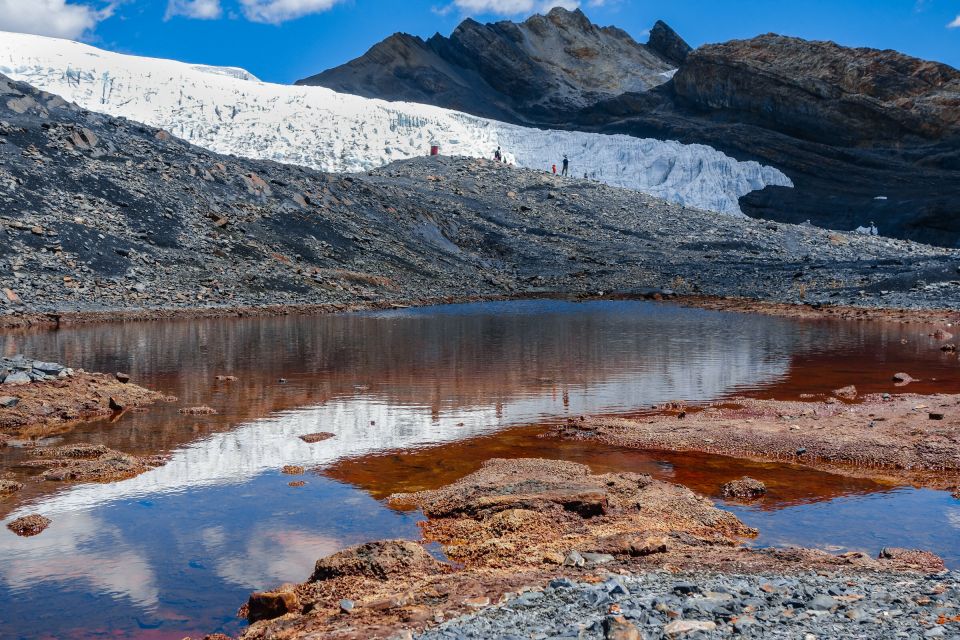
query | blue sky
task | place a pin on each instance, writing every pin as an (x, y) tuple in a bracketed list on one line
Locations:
[(283, 40)]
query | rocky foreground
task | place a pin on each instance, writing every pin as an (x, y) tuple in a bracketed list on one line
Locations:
[(102, 214), (566, 553)]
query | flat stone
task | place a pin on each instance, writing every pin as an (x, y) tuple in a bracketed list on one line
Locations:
[(683, 627), (619, 628), (312, 438), (8, 402), (49, 368), (598, 558)]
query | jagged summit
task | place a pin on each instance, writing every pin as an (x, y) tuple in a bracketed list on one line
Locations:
[(668, 43), (547, 65)]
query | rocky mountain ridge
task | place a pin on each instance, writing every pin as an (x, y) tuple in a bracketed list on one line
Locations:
[(559, 62), (864, 135)]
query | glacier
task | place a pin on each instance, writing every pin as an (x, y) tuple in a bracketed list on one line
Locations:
[(228, 110)]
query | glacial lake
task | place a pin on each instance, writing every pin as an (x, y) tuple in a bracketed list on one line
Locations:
[(417, 398)]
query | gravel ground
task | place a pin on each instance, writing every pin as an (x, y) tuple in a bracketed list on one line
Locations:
[(103, 214), (660, 605)]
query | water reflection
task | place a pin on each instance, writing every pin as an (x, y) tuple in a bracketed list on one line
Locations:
[(416, 398)]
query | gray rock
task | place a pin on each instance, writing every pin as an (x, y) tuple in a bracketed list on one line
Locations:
[(8, 402), (17, 379)]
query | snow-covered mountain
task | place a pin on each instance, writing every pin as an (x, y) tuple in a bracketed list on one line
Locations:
[(228, 111)]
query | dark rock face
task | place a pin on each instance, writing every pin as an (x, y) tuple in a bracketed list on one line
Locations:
[(668, 43), (545, 66), (823, 92), (865, 135)]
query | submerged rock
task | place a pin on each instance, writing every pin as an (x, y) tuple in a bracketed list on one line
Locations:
[(903, 379), (846, 393), (312, 438)]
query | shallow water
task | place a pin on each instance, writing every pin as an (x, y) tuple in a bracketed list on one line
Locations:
[(417, 398)]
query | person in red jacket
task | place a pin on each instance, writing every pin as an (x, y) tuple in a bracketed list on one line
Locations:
[(554, 169)]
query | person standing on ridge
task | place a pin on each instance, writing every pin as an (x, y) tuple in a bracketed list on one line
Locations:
[(498, 155), (566, 166), (554, 169)]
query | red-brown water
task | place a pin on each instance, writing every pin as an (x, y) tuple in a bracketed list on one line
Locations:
[(417, 398)]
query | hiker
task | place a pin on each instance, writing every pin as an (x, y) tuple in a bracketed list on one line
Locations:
[(554, 169), (566, 166), (498, 155)]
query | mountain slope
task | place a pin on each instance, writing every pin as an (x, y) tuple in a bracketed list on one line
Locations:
[(554, 63), (101, 213), (227, 112), (864, 135)]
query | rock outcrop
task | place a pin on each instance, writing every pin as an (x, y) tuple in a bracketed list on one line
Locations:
[(822, 92)]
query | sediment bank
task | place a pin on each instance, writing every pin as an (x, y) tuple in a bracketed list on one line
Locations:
[(907, 438)]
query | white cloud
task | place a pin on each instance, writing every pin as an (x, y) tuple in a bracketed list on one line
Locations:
[(57, 18), (955, 24), (512, 7), (197, 9), (277, 11)]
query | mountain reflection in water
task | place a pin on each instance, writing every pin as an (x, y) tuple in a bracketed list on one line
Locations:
[(416, 398)]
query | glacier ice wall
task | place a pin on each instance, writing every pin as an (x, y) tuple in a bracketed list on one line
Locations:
[(229, 111)]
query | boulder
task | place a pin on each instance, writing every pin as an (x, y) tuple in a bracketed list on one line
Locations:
[(619, 628), (17, 379), (379, 560), (271, 604), (8, 487)]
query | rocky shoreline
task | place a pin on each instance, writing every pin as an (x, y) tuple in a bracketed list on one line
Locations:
[(548, 548), (40, 399)]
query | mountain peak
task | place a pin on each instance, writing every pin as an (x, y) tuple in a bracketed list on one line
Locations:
[(668, 43)]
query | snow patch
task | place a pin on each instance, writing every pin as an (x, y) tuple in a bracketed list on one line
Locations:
[(228, 111)]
